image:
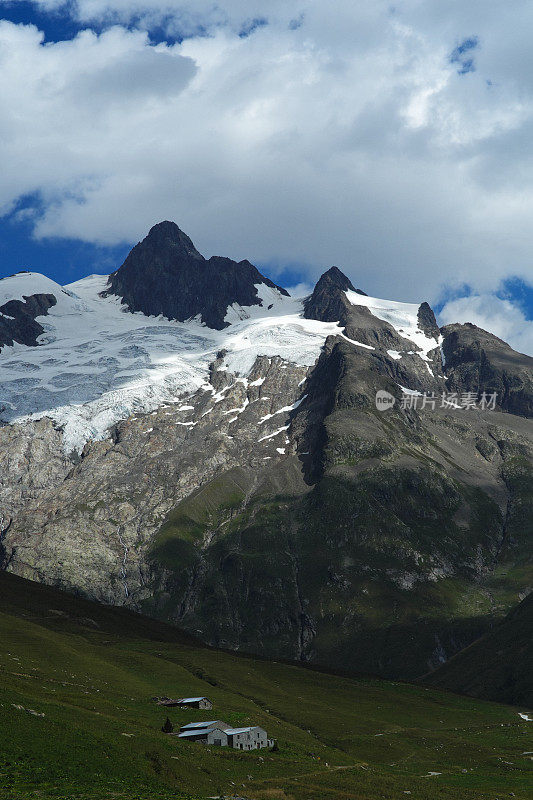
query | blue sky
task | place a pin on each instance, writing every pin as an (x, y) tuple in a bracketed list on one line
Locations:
[(66, 260), (394, 142), (63, 259)]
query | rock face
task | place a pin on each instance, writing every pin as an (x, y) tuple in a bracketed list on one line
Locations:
[(17, 319), (278, 510), (328, 301), (165, 274), (477, 361), (427, 321)]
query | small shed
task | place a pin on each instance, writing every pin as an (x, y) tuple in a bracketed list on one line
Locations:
[(187, 702)]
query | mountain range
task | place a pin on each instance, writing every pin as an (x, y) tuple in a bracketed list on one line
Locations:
[(333, 480)]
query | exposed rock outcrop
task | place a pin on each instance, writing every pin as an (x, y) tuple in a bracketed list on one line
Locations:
[(17, 319), (477, 361), (165, 274), (328, 301)]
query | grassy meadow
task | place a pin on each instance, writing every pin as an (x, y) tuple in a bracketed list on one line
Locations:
[(77, 719)]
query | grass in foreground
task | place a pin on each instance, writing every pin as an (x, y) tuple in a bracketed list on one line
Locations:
[(77, 719)]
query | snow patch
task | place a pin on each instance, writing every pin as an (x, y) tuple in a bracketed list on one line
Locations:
[(414, 392), (402, 316), (284, 410), (359, 344), (272, 435), (238, 410)]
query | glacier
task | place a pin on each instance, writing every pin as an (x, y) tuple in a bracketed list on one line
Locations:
[(98, 363)]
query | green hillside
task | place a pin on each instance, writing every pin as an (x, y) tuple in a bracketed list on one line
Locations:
[(497, 666), (77, 719)]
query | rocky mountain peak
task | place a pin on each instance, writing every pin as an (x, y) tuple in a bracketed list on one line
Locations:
[(167, 235), (333, 277), (327, 302), (166, 275), (427, 321)]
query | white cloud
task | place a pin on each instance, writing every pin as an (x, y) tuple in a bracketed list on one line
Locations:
[(300, 290), (499, 316), (345, 138)]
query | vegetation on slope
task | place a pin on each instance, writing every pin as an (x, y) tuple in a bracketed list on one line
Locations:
[(498, 666), (77, 719), (345, 573)]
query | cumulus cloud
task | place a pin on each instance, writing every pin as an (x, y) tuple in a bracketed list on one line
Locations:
[(495, 314), (313, 134)]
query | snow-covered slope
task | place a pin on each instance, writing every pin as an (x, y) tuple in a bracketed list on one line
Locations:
[(404, 318), (97, 363), (18, 286)]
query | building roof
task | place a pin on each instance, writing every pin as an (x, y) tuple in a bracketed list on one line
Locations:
[(196, 732), (199, 724), (192, 699), (204, 728), (231, 731)]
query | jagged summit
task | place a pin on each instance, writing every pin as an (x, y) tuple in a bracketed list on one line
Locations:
[(167, 234), (426, 320), (335, 278), (166, 275), (327, 302)]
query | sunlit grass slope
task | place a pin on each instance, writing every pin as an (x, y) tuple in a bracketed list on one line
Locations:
[(77, 719)]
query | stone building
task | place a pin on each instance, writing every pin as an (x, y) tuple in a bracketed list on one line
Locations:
[(220, 734), (252, 738)]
